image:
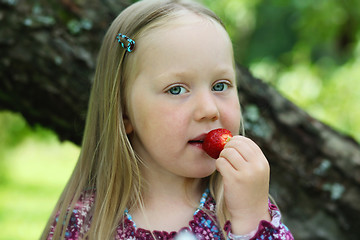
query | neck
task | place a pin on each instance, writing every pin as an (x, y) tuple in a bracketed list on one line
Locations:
[(169, 202), (172, 189)]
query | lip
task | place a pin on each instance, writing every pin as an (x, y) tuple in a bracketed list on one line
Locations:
[(197, 141), (201, 138)]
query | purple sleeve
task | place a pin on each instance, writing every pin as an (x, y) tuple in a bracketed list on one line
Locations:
[(266, 230)]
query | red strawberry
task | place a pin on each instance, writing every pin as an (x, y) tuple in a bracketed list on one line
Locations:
[(215, 141)]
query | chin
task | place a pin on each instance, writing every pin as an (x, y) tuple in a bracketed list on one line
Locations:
[(203, 173)]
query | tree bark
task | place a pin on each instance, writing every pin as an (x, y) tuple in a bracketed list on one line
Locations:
[(48, 55), (315, 171)]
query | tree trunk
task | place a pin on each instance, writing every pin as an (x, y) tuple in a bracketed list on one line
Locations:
[(48, 55)]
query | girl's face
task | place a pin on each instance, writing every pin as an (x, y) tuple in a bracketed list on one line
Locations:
[(182, 85)]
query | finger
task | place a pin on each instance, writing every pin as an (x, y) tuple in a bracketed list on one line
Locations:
[(247, 148), (256, 162), (252, 153), (242, 146), (225, 167), (233, 156), (254, 148)]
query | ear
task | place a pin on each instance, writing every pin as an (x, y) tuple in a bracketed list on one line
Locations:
[(128, 126)]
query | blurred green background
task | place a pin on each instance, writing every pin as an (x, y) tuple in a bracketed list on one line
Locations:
[(34, 167), (308, 50)]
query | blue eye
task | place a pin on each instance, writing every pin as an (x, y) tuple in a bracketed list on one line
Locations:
[(177, 90), (221, 86)]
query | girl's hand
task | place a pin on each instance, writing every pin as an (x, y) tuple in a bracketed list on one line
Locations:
[(245, 172)]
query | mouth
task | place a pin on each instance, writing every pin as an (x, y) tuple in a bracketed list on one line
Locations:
[(198, 141)]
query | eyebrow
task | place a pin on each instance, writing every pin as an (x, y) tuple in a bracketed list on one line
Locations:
[(188, 74), (174, 75), (225, 70)]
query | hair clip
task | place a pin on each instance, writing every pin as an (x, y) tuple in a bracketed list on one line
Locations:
[(123, 39)]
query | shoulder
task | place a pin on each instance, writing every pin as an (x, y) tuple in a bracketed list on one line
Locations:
[(80, 217)]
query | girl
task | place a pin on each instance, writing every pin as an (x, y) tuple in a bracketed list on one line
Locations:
[(165, 77)]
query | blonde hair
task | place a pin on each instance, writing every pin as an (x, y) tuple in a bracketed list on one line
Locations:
[(107, 163)]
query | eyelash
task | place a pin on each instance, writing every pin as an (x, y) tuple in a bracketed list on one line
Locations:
[(177, 86), (226, 85)]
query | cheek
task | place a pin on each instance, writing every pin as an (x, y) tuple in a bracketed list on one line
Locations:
[(169, 118), (159, 128), (232, 116), (157, 116)]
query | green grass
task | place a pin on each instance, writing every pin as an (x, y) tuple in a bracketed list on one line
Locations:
[(33, 173)]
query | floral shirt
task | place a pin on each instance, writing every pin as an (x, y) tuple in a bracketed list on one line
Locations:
[(203, 226)]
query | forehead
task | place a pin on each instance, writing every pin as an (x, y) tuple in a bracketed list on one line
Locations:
[(174, 37), (179, 19)]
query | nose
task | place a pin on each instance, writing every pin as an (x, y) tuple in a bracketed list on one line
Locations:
[(206, 107)]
